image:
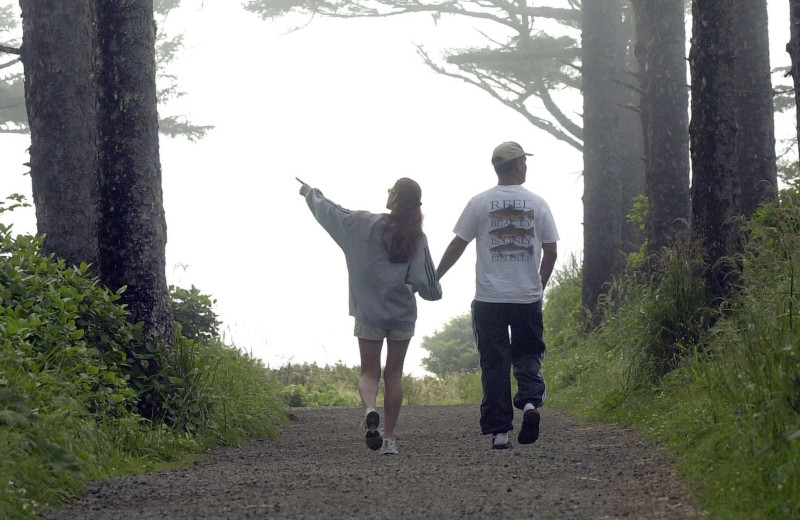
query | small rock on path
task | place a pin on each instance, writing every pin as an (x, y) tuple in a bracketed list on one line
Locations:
[(320, 468)]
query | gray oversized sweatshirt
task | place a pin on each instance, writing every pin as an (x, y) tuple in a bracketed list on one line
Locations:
[(381, 293)]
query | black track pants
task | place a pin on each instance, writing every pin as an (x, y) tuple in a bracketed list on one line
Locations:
[(508, 334)]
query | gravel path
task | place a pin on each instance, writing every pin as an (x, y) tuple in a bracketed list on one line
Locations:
[(321, 468)]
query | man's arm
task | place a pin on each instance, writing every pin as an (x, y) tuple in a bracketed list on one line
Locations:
[(451, 256), (549, 255)]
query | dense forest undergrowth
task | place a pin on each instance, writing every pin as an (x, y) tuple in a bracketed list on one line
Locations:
[(720, 386)]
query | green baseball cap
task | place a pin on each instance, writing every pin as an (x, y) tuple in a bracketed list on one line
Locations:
[(507, 151)]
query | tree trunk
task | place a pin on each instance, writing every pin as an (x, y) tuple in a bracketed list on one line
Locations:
[(630, 136), (793, 48), (664, 112), (755, 132), (602, 192), (132, 233), (715, 183), (60, 95)]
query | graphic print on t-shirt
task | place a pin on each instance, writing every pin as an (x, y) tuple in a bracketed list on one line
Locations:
[(511, 231)]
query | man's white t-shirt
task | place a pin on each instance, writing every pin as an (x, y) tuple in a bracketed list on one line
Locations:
[(510, 224)]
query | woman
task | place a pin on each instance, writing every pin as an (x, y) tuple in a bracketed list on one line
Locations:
[(387, 261)]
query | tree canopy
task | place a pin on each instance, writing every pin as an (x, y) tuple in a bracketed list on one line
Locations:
[(529, 69), (451, 349)]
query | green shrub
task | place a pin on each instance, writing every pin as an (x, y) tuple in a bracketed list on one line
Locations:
[(73, 371), (194, 312), (56, 318)]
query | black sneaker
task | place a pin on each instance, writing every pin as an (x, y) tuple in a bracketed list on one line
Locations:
[(530, 427), (373, 436)]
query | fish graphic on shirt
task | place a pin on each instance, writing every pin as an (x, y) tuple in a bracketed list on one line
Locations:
[(511, 249), (511, 214), (511, 231)]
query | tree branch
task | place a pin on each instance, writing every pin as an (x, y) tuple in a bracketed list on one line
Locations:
[(355, 9), (517, 106), (562, 119), (362, 12), (630, 86), (10, 63), (496, 56), (9, 50)]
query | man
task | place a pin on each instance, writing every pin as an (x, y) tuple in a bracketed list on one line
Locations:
[(513, 229)]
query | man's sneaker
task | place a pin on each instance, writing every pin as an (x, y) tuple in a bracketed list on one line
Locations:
[(530, 427), (389, 447), (373, 437), (500, 446)]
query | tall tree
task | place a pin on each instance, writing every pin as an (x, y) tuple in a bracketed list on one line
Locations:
[(94, 145), (603, 73), (59, 36), (793, 48), (630, 154), (715, 182), (755, 114), (451, 349), (661, 51), (132, 234)]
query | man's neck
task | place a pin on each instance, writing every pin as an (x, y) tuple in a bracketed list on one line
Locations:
[(508, 181)]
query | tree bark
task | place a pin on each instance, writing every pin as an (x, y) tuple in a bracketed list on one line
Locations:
[(755, 137), (715, 183), (132, 233), (664, 114), (793, 48), (630, 136), (58, 54), (602, 193)]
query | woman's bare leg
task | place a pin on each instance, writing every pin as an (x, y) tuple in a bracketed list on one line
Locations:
[(370, 371), (393, 378)]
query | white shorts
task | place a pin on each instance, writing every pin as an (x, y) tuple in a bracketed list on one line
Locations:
[(377, 334)]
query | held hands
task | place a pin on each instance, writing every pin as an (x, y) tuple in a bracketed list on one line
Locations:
[(304, 188)]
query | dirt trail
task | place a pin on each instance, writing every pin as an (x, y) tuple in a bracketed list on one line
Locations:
[(321, 468)]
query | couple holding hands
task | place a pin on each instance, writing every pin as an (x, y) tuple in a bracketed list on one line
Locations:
[(388, 260)]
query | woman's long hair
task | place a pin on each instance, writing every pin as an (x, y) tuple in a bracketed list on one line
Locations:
[(404, 224)]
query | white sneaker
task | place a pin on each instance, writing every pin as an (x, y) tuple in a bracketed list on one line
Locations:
[(389, 447)]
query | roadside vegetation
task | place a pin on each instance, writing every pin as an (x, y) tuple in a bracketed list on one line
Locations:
[(720, 386), (311, 385), (79, 398)]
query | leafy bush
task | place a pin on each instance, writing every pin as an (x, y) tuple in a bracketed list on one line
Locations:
[(194, 312), (56, 318), (73, 370)]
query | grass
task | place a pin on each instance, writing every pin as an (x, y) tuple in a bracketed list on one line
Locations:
[(51, 445)]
